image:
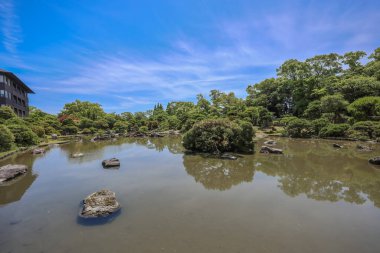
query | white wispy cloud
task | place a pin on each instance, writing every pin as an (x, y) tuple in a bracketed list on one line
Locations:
[(242, 51), (10, 29), (179, 75)]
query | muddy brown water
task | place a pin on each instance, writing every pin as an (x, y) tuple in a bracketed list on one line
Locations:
[(314, 198)]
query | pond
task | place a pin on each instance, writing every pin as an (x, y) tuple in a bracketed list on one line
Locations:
[(314, 198)]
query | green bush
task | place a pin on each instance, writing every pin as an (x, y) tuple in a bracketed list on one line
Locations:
[(87, 131), (6, 138), (299, 128), (318, 124), (143, 129), (6, 113), (334, 130), (219, 135), (285, 120), (69, 129), (365, 108), (120, 127), (39, 130), (24, 136), (364, 130)]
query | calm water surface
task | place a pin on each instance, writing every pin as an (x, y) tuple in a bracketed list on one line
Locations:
[(314, 198)]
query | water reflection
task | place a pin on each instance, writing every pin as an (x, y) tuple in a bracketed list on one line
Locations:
[(309, 167), (319, 171), (14, 190), (218, 174), (94, 150)]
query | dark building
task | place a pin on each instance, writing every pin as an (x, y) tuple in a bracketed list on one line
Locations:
[(14, 93)]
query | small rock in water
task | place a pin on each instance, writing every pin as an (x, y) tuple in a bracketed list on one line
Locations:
[(38, 151), (77, 155), (336, 145), (154, 134), (113, 162), (266, 149), (99, 204), (228, 157), (270, 142), (375, 160), (11, 171), (363, 148)]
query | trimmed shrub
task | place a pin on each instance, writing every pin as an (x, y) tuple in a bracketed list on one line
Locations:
[(285, 120), (318, 124), (24, 136), (69, 129), (120, 127), (364, 130), (39, 130), (219, 135), (6, 138), (365, 108), (6, 113), (143, 129), (299, 128), (87, 131), (334, 130)]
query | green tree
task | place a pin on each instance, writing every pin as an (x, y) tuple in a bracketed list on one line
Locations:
[(6, 112), (334, 104), (6, 138), (84, 109), (24, 136), (365, 108)]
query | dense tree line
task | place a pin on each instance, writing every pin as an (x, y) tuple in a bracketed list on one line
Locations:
[(328, 95)]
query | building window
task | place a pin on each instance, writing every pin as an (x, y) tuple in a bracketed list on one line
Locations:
[(2, 79)]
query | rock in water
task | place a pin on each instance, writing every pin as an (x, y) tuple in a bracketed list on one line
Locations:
[(266, 149), (99, 204), (38, 151), (11, 171), (228, 157), (336, 145), (375, 160), (113, 162), (363, 148), (77, 155), (270, 142)]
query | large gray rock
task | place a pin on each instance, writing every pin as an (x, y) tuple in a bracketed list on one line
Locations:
[(375, 160), (270, 150), (38, 151), (11, 171), (113, 162), (99, 204)]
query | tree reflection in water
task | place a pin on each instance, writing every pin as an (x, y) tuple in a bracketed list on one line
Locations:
[(218, 174), (14, 190), (316, 169)]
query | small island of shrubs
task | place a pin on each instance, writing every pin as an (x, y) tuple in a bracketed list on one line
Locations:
[(220, 135)]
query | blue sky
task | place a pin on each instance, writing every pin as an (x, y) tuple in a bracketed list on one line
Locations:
[(128, 55)]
